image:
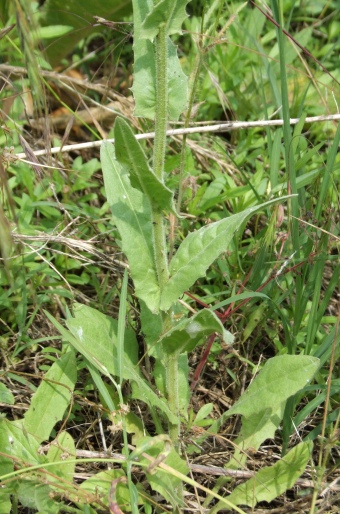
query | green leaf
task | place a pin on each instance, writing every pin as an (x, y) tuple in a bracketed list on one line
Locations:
[(131, 213), (18, 443), (144, 83), (35, 495), (100, 484), (5, 395), (165, 483), (78, 14), (94, 335), (159, 373), (51, 32), (199, 250), (271, 481), (188, 333), (97, 334), (262, 405), (152, 325), (129, 152), (62, 449), (169, 12), (5, 503), (280, 378), (204, 412), (143, 392), (79, 346), (52, 397)]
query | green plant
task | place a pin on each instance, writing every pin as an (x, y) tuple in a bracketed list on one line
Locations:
[(140, 202)]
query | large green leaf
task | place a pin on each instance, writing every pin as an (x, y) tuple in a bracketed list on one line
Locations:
[(62, 451), (79, 15), (280, 378), (199, 250), (98, 335), (94, 335), (144, 83), (52, 397), (39, 497), (19, 448), (268, 483), (188, 333), (179, 340), (17, 443), (131, 213), (262, 404), (100, 484), (162, 481), (129, 152), (5, 502), (169, 12)]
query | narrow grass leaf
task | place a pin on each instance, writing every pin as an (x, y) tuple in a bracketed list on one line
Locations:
[(131, 213), (271, 481), (130, 153), (324, 190), (275, 158), (199, 250), (52, 397), (121, 328), (307, 156)]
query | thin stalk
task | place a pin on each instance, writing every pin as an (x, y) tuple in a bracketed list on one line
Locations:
[(161, 116), (173, 398), (192, 93), (287, 133), (326, 446), (161, 259)]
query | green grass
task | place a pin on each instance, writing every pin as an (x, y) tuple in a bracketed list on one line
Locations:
[(277, 284)]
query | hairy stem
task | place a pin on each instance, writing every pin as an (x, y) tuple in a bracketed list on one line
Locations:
[(161, 258), (173, 398)]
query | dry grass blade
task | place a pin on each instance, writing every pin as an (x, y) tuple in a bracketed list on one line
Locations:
[(199, 129), (6, 30)]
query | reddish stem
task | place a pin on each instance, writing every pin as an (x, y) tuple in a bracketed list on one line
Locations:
[(229, 312)]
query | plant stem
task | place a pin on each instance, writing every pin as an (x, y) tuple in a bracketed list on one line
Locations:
[(173, 399), (161, 102), (161, 259)]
